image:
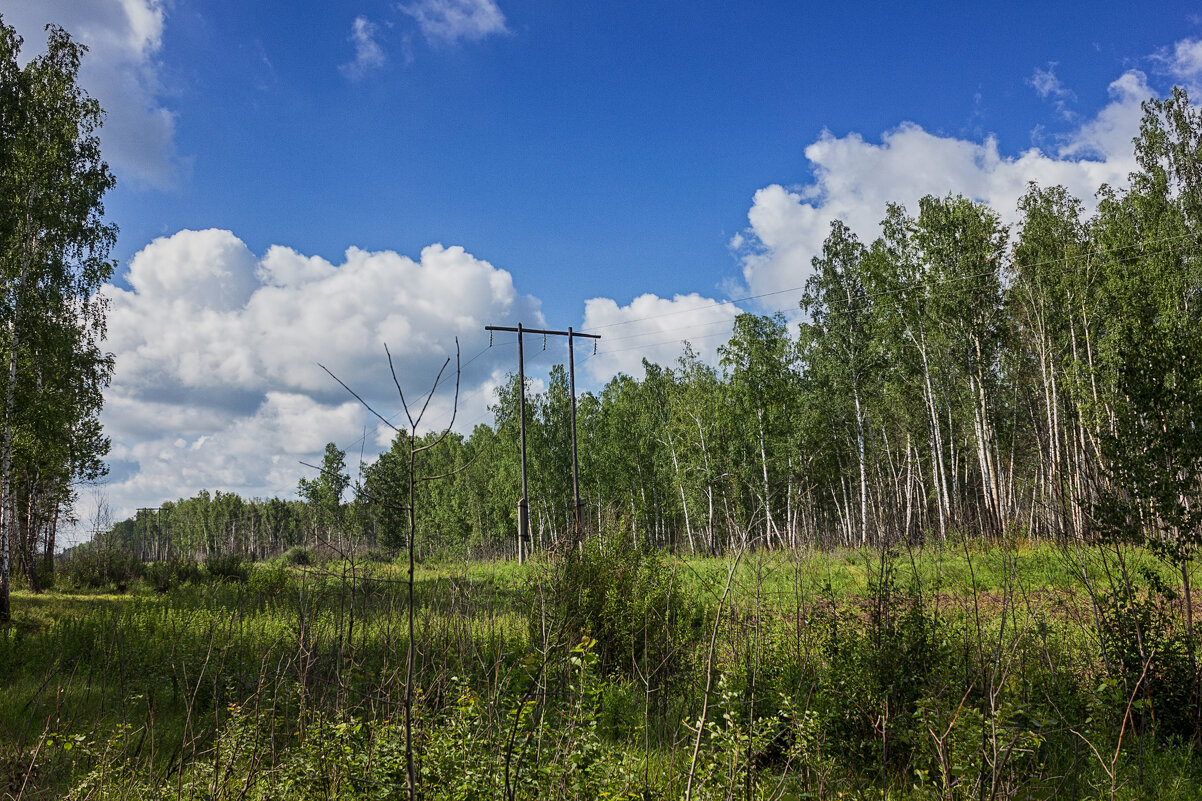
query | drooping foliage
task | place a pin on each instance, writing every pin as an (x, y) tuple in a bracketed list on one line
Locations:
[(54, 256)]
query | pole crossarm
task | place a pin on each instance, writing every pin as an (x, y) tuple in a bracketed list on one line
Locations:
[(524, 501), (525, 330)]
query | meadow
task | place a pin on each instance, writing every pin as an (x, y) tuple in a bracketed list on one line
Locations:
[(953, 670)]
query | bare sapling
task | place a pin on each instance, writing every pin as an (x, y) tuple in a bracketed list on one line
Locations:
[(415, 422)]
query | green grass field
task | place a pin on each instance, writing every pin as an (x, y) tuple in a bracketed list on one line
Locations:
[(943, 672)]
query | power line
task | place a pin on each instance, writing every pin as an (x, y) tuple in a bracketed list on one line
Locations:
[(924, 288), (1138, 249), (658, 344), (699, 308), (1077, 257), (727, 321)]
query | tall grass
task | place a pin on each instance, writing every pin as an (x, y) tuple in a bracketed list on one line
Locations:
[(943, 672)]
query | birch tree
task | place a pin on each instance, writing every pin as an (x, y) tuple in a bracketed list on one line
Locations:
[(54, 256)]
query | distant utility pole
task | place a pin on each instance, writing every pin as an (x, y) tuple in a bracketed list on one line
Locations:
[(524, 501)]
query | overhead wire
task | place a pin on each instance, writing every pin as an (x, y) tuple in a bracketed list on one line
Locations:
[(714, 304), (538, 355), (1136, 250), (725, 321), (944, 281)]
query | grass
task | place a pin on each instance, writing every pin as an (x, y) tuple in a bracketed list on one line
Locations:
[(877, 675)]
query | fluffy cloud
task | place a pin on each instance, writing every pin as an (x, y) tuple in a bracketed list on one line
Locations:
[(1184, 60), (654, 328), (368, 53), (218, 383), (121, 71), (854, 180), (449, 21)]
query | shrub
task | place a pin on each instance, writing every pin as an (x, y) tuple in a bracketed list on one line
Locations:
[(227, 567), (628, 601), (269, 580), (883, 664), (46, 575), (299, 556), (165, 575), (159, 576), (187, 571), (1148, 648), (92, 566)]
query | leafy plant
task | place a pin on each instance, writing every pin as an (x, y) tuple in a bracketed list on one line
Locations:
[(299, 556), (166, 575), (97, 566), (227, 567)]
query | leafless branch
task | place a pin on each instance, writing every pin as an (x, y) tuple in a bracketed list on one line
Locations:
[(401, 392), (366, 405)]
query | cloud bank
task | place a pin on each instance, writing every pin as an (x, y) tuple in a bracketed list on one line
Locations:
[(218, 384), (654, 328), (854, 179)]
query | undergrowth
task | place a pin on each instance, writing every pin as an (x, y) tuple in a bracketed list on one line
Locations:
[(942, 673)]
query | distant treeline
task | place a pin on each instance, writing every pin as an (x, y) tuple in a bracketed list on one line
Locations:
[(952, 375)]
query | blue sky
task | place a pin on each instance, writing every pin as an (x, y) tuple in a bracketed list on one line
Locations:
[(611, 151), (300, 182)]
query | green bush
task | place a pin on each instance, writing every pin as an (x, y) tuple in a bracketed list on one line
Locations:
[(299, 556), (93, 567), (630, 602), (270, 580), (1146, 646), (166, 575), (187, 571), (46, 574), (883, 665), (159, 576), (227, 567)]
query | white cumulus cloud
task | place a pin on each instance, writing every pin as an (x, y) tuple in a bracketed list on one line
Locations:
[(121, 70), (1184, 60), (654, 328), (217, 383), (854, 179)]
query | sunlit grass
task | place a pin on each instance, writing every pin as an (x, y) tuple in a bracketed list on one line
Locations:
[(169, 669)]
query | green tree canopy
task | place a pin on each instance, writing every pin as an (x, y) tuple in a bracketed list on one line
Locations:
[(54, 256)]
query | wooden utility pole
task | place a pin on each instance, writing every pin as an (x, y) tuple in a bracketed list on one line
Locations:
[(524, 501), (575, 462)]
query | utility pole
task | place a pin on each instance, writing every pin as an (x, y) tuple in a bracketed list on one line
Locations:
[(524, 501)]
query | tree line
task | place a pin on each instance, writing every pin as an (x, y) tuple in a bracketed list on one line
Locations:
[(54, 257), (951, 376)]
